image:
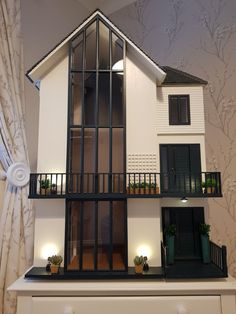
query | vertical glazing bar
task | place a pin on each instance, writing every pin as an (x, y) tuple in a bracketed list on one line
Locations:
[(82, 115), (111, 236), (126, 236), (67, 233), (81, 235), (124, 107), (96, 235), (96, 104), (119, 184), (110, 111), (69, 136)]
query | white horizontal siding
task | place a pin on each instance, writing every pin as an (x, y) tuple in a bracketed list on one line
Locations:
[(196, 110)]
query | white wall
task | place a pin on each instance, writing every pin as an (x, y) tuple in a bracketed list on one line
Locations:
[(144, 229), (52, 145), (52, 142), (196, 109), (49, 229), (140, 109)]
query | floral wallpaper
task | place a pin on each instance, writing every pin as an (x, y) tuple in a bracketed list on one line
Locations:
[(199, 37)]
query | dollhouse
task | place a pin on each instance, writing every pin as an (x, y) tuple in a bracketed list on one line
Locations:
[(121, 158)]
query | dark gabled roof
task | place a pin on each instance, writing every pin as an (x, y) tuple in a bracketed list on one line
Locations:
[(51, 58), (175, 76)]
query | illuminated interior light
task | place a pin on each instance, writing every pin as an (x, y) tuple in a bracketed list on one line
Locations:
[(49, 249), (119, 66), (144, 250)]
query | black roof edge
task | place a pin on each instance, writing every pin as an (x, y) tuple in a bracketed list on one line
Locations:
[(51, 50), (195, 79)]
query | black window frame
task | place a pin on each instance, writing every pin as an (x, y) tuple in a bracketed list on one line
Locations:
[(82, 126), (179, 121)]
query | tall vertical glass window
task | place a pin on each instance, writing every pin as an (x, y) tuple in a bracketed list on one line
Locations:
[(96, 229)]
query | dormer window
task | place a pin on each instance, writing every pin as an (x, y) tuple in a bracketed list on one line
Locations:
[(179, 110)]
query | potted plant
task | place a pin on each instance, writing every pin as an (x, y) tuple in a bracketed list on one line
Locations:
[(204, 230), (53, 188), (144, 188), (170, 232), (131, 188), (55, 263), (154, 188), (209, 186), (138, 262), (44, 186)]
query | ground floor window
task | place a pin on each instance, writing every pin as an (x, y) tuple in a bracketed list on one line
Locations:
[(96, 235)]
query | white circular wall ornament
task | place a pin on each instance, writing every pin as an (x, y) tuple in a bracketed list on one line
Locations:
[(18, 174)]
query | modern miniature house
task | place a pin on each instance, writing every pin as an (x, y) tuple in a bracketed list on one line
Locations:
[(121, 145)]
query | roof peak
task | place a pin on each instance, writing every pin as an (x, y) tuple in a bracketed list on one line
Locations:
[(61, 49)]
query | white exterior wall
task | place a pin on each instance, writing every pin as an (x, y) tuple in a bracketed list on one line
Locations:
[(144, 230), (141, 106), (49, 230), (52, 146), (196, 110), (147, 126), (53, 119), (141, 136)]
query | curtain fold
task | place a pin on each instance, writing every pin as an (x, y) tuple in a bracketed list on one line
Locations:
[(17, 218)]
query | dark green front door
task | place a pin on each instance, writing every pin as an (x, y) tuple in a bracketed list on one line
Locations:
[(180, 168), (187, 239)]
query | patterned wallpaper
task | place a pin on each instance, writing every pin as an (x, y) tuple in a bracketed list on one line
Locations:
[(199, 36)]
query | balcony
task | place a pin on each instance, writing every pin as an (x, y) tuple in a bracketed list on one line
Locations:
[(124, 185), (195, 269)]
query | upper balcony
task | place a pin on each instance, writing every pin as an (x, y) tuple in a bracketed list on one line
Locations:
[(124, 185)]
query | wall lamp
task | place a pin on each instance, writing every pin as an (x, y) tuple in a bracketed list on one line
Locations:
[(184, 199)]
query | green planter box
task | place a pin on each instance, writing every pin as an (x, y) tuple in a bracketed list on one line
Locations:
[(170, 249), (205, 249)]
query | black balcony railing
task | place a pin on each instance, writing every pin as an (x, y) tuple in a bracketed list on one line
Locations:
[(219, 257), (54, 185)]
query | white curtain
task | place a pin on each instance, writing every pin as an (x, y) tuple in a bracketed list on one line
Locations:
[(17, 218)]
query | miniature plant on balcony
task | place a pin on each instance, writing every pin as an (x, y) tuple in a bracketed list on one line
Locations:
[(55, 263), (209, 185), (170, 232), (204, 230), (154, 188), (44, 185), (144, 188), (53, 188), (138, 262)]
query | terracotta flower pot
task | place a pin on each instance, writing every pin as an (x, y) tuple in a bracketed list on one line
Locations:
[(139, 269), (44, 191), (55, 269)]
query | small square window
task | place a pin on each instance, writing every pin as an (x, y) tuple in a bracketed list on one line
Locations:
[(179, 110)]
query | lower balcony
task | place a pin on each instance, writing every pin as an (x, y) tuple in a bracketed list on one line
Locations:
[(124, 185), (195, 268)]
